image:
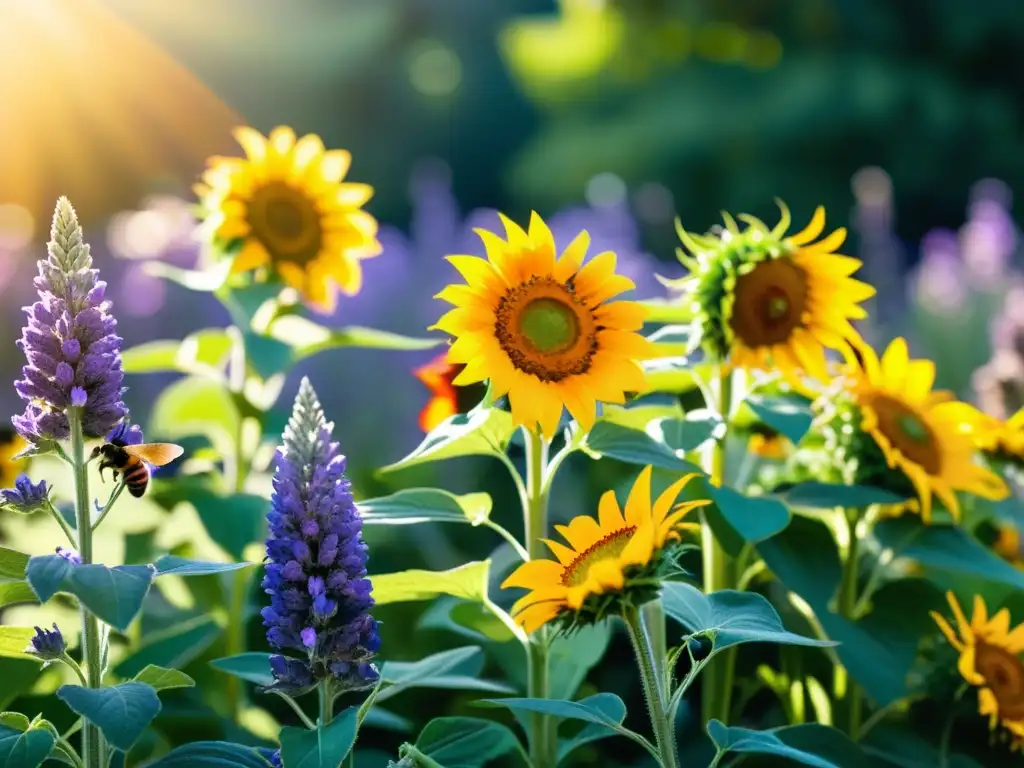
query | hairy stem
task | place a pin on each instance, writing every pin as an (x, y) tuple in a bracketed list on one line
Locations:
[(544, 743), (664, 731), (94, 748), (326, 703)]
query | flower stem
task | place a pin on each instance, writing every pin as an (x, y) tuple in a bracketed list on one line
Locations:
[(326, 703), (718, 677), (544, 742), (844, 686), (94, 749), (653, 615), (664, 731)]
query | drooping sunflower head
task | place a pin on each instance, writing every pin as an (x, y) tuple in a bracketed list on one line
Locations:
[(612, 559), (11, 444), (544, 328), (990, 660), (446, 399), (284, 208), (765, 300), (889, 428)]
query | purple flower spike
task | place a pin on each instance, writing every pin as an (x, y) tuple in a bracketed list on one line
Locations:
[(47, 644), (123, 434), (25, 496), (316, 572), (73, 353)]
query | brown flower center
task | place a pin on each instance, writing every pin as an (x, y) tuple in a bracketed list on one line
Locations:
[(1004, 675), (545, 330), (770, 303), (609, 547), (286, 222), (908, 433)]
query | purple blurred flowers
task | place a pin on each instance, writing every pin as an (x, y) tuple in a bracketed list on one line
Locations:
[(316, 575), (25, 496), (47, 643), (70, 555), (73, 352)]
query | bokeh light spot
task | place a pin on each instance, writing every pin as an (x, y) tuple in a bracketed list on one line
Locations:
[(605, 190), (16, 226), (435, 69)]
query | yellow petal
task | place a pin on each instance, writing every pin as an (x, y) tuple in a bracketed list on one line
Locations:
[(582, 532), (608, 514), (572, 257), (536, 616), (640, 547), (534, 574), (946, 630), (812, 230), (334, 165), (961, 621), (515, 234), (621, 315), (638, 505), (565, 555), (668, 497), (894, 363), (252, 142)]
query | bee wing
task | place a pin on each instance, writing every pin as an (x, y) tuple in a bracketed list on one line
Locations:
[(157, 454)]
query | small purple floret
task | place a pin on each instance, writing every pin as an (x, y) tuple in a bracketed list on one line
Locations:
[(124, 434), (25, 496), (70, 555), (47, 643)]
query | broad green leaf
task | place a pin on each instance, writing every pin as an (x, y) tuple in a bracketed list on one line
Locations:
[(661, 310), (114, 595), (206, 281), (12, 592), (18, 671), (15, 721), (746, 741), (675, 375), (753, 518), (946, 548), (326, 747), (688, 433), (607, 703), (471, 620), (640, 413), (211, 754), (197, 406), (202, 352), (307, 338), (386, 720), (422, 505), (24, 749), (633, 447), (468, 582), (12, 563), (458, 668), (825, 742), (174, 647), (729, 617), (162, 679), (815, 495), (787, 414), (234, 522), (468, 742), (481, 432), (573, 656), (901, 747), (151, 357), (122, 711), (253, 667), (179, 566), (14, 641), (267, 356), (585, 710)]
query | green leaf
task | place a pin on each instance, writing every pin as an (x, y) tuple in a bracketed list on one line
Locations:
[(729, 617), (197, 406), (573, 656), (12, 592), (121, 711), (789, 415), (18, 671), (468, 582), (386, 720), (746, 741), (202, 352), (690, 432), (26, 749), (171, 565), (946, 548), (175, 646), (162, 679), (753, 518), (326, 747), (253, 667), (481, 432), (206, 281), (114, 595), (609, 704), (233, 522), (15, 721), (585, 710), (14, 641), (470, 620), (211, 754), (900, 746), (815, 495), (632, 446), (422, 505), (12, 563), (467, 742), (307, 338), (458, 668), (661, 310), (267, 356)]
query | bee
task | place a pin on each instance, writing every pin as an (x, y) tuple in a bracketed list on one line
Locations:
[(133, 461)]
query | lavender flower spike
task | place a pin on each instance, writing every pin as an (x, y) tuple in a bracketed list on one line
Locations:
[(73, 352), (316, 572)]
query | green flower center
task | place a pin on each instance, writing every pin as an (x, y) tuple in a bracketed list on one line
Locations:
[(914, 428), (549, 325), (611, 546), (777, 307)]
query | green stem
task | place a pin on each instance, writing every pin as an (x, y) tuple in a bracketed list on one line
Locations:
[(845, 687), (73, 666), (664, 732), (109, 505), (418, 759), (544, 742), (653, 615), (326, 703), (94, 750), (236, 634), (718, 678)]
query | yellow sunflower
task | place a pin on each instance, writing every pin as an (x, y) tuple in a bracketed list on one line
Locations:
[(1003, 440), (11, 445), (604, 555), (990, 659), (286, 206), (924, 434), (1007, 544), (543, 329), (768, 301)]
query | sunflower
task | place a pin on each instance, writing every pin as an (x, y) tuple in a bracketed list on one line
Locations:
[(764, 300), (616, 555), (284, 207), (924, 434), (769, 444), (11, 444), (990, 660), (1007, 544), (1003, 441), (542, 330), (446, 399)]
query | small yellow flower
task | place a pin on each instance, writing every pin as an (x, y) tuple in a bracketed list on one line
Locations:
[(923, 434), (990, 659), (1008, 544), (11, 444), (769, 445), (604, 555), (286, 206), (544, 329)]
